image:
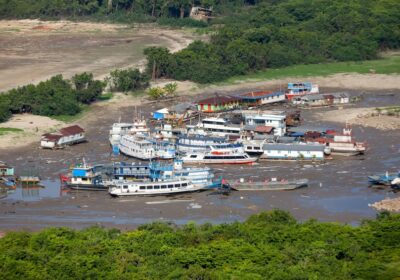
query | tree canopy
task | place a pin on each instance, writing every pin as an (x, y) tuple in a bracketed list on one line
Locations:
[(273, 34), (270, 245), (54, 97)]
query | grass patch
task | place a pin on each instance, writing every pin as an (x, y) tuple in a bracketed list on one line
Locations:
[(105, 96), (386, 65), (6, 130), (69, 118)]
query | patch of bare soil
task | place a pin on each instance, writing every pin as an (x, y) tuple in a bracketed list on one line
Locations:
[(392, 205), (360, 116), (34, 50), (33, 127)]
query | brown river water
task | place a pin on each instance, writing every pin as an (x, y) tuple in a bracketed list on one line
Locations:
[(338, 189)]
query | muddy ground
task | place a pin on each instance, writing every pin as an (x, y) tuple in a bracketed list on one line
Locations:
[(32, 51), (338, 188)]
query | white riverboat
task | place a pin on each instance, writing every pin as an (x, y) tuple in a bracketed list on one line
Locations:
[(219, 127), (120, 129), (199, 143), (198, 176), (142, 147), (220, 156), (152, 188)]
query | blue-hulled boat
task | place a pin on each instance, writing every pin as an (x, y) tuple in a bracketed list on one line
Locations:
[(383, 179)]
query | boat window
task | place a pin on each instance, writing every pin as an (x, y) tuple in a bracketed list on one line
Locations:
[(184, 185), (125, 187), (170, 186), (177, 185), (142, 187), (149, 187), (164, 187), (193, 156), (156, 187)]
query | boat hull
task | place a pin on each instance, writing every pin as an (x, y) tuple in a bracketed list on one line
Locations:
[(157, 194), (83, 187), (222, 161), (270, 186)]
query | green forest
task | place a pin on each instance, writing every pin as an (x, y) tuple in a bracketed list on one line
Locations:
[(248, 35), (275, 34), (62, 97), (270, 245), (54, 97)]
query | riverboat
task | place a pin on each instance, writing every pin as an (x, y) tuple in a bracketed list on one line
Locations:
[(219, 127), (301, 89), (268, 185), (294, 151), (146, 148), (340, 144), (200, 143), (198, 176), (220, 156), (85, 177), (151, 188), (165, 179)]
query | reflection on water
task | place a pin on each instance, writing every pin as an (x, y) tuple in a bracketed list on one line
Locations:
[(31, 192)]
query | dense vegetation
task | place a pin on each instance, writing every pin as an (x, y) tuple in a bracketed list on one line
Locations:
[(54, 97), (128, 80), (117, 10), (281, 33), (267, 246)]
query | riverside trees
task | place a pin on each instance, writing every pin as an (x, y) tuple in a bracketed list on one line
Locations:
[(270, 245), (54, 97)]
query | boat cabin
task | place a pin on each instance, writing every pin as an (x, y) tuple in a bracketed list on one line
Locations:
[(259, 98), (6, 170)]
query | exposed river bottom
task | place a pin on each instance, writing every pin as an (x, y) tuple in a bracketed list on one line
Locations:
[(338, 189)]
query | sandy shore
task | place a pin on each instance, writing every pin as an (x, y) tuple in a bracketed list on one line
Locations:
[(366, 117), (390, 204)]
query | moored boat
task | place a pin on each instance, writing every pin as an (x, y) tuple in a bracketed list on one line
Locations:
[(151, 188), (217, 155), (269, 185), (340, 143), (85, 177), (198, 143), (294, 151), (383, 179), (219, 127), (300, 89), (145, 148)]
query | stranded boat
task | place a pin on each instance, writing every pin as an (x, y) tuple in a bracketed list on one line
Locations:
[(300, 89), (176, 186), (219, 127), (384, 179), (85, 177), (200, 143), (340, 144), (145, 148), (165, 179), (198, 176), (294, 151), (235, 155), (269, 185)]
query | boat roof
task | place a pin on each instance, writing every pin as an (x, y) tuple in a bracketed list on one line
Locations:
[(259, 94), (295, 146)]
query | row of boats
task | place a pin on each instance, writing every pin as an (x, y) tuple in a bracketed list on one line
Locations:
[(160, 178), (214, 140)]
